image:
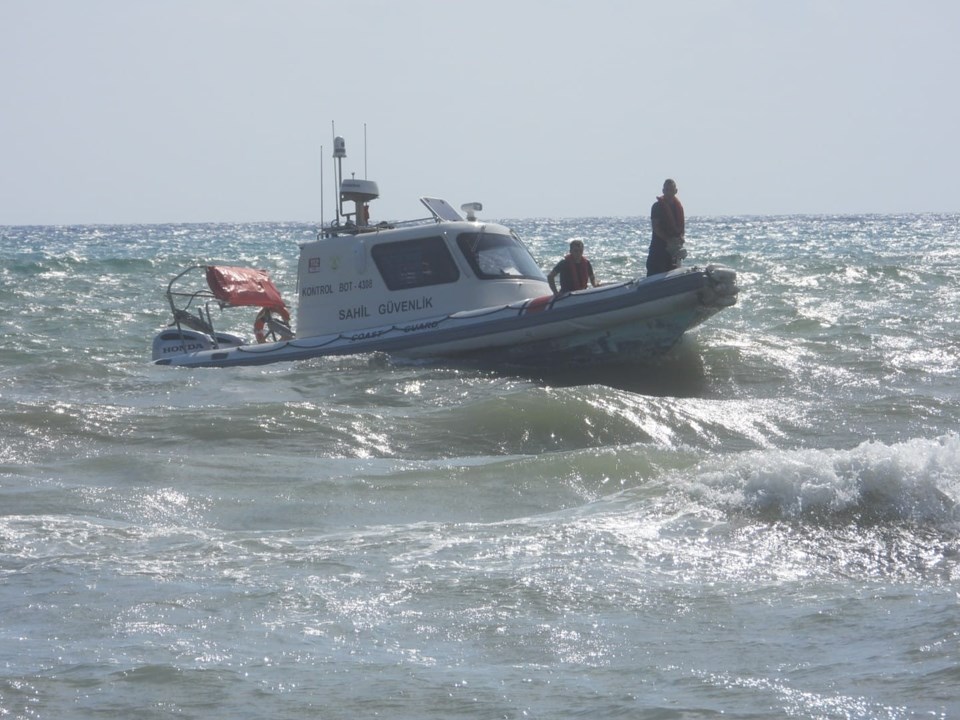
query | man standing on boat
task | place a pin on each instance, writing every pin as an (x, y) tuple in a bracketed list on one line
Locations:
[(666, 218), (574, 271)]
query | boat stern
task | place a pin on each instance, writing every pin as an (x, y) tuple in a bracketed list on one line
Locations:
[(173, 341)]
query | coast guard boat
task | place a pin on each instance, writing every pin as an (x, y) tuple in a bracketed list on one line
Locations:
[(447, 287)]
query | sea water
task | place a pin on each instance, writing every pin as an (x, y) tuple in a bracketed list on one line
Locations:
[(763, 524)]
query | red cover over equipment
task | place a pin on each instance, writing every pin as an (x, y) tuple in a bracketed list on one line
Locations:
[(243, 286)]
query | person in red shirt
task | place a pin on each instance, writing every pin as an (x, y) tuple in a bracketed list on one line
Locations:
[(575, 271), (666, 218)]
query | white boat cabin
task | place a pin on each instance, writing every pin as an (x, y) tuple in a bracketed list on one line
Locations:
[(358, 276)]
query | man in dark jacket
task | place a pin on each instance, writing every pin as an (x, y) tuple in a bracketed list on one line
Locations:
[(666, 218), (574, 271)]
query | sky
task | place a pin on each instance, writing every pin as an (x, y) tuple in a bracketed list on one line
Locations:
[(155, 111)]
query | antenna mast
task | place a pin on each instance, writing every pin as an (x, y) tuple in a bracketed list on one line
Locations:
[(339, 153)]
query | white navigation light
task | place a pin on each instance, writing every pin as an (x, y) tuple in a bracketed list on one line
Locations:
[(471, 209), (339, 147)]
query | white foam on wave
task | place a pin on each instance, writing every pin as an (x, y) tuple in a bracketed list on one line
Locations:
[(914, 481)]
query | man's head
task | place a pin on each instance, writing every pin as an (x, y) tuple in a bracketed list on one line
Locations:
[(669, 187), (576, 247)]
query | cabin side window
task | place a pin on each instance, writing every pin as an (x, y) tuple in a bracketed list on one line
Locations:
[(497, 256), (415, 263)]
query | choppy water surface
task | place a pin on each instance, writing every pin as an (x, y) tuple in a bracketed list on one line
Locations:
[(762, 525)]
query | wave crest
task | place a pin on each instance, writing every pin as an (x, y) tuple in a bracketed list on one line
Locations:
[(910, 482)]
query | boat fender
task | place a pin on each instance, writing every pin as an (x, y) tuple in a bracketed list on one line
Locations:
[(538, 305), (263, 317)]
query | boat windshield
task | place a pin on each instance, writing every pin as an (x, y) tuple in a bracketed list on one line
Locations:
[(497, 256)]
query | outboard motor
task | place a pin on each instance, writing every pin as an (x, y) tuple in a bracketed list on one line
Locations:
[(173, 341)]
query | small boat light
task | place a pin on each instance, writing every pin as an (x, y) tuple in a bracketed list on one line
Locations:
[(471, 209)]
